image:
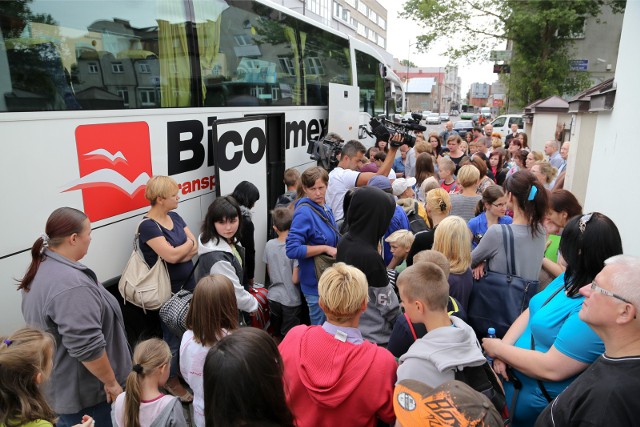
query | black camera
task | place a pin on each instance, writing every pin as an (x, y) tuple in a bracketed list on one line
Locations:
[(384, 130), (325, 151)]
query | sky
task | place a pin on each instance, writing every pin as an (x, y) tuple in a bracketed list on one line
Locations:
[(401, 32)]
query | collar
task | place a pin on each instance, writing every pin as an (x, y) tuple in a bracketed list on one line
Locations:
[(344, 334)]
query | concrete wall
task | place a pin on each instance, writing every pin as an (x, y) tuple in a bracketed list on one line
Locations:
[(580, 153), (613, 174), (544, 128)]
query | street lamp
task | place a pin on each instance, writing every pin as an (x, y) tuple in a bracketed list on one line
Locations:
[(406, 81)]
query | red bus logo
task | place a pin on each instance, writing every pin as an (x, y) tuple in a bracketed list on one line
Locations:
[(115, 164)]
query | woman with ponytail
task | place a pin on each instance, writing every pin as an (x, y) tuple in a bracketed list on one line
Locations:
[(490, 210), (438, 206), (528, 200), (64, 298), (143, 405)]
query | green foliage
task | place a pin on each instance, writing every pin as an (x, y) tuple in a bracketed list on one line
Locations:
[(407, 63), (540, 33)]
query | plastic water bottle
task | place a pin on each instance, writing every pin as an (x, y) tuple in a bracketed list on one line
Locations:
[(491, 333)]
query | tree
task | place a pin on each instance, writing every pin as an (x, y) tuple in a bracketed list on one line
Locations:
[(538, 31), (407, 63)]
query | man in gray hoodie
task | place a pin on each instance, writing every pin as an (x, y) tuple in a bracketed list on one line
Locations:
[(450, 344)]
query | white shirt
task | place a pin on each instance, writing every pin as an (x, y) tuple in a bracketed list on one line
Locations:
[(340, 181), (192, 355)]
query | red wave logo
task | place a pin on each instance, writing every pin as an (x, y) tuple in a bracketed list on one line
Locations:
[(115, 164)]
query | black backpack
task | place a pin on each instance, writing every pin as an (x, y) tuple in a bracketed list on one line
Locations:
[(416, 223), (483, 380)]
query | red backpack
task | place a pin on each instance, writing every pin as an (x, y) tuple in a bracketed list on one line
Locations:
[(262, 318)]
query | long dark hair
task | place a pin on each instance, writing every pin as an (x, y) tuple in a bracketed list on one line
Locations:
[(246, 194), (587, 242), (424, 168), (489, 195), (62, 222), (225, 207), (564, 201), (243, 382), (520, 186)]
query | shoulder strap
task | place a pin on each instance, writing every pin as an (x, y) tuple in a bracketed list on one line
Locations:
[(543, 389), (324, 218), (507, 233), (413, 331)]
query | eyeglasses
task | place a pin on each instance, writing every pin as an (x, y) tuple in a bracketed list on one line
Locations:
[(582, 224), (499, 205), (596, 288)]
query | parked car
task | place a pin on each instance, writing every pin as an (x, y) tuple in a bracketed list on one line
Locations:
[(502, 124), (425, 114), (433, 119), (486, 112), (463, 126), (444, 117), (466, 115)]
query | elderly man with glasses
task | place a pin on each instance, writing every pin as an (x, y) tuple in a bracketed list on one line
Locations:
[(608, 392)]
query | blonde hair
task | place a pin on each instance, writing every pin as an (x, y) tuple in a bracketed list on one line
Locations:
[(438, 200), (160, 186), (422, 147), (547, 170), (402, 238), (425, 282), (148, 356), (496, 142), (23, 355), (468, 176), (342, 290), (446, 163), (429, 255), (537, 156), (453, 239)]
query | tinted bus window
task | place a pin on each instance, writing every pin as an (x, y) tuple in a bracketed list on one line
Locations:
[(260, 56), (371, 84), (73, 55)]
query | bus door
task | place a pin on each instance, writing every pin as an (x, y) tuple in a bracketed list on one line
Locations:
[(240, 154)]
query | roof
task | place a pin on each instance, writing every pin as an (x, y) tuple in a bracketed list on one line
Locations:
[(420, 85), (552, 104)]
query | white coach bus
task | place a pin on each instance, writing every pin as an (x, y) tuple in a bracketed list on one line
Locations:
[(98, 96)]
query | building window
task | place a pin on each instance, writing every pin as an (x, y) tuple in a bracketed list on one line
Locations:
[(362, 30), (123, 93), (381, 41), (117, 67), (243, 39), (382, 22), (144, 68), (373, 36), (93, 68), (287, 65), (363, 8), (147, 97), (341, 13), (373, 16), (313, 66)]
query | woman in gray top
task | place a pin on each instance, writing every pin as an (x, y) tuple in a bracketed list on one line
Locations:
[(528, 200), (64, 298), (464, 203)]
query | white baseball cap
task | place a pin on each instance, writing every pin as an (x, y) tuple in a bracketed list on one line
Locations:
[(400, 185)]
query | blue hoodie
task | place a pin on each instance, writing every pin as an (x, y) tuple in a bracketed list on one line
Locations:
[(307, 228)]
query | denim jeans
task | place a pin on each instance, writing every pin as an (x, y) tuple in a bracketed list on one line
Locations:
[(101, 414), (173, 342), (315, 312)]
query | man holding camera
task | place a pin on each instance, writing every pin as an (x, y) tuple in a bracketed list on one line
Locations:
[(347, 174)]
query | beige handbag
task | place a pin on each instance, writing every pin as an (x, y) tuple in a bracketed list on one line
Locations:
[(142, 286)]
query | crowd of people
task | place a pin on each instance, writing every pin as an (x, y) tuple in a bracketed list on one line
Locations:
[(371, 276)]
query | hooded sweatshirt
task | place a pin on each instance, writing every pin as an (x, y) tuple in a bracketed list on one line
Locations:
[(218, 258), (434, 358), (369, 215), (333, 383)]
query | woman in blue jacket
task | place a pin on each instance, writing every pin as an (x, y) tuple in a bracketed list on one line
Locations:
[(491, 210), (313, 232)]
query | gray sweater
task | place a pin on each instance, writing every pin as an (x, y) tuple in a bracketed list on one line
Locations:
[(529, 251), (67, 301)]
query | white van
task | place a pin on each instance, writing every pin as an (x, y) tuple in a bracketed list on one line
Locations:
[(502, 124)]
